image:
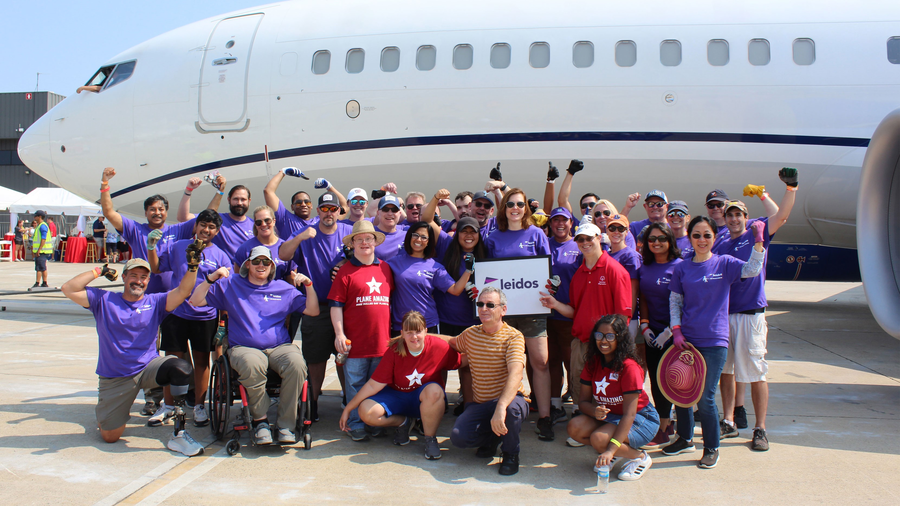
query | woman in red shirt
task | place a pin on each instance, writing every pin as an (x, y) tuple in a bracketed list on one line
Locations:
[(617, 417)]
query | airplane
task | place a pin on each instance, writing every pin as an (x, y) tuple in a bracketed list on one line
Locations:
[(685, 97)]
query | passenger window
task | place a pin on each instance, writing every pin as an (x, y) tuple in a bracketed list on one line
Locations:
[(717, 52), (462, 56), (758, 52), (626, 53), (356, 60), (426, 57), (893, 50), (583, 54), (501, 54), (539, 55), (99, 78), (122, 73), (321, 62), (390, 59), (804, 51), (670, 53)]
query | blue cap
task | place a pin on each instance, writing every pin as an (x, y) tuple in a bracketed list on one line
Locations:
[(389, 199), (561, 211), (658, 194)]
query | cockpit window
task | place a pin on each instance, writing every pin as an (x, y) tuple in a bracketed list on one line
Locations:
[(99, 79), (122, 73)]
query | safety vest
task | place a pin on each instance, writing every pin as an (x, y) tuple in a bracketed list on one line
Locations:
[(48, 241)]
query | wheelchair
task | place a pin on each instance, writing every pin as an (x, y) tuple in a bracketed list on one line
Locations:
[(224, 389)]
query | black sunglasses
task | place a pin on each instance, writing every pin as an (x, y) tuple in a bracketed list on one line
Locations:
[(677, 214), (261, 260), (302, 201), (715, 205), (520, 205), (414, 206), (657, 238), (704, 236), (479, 203), (655, 204), (606, 212), (616, 228), (267, 221), (588, 205), (490, 305)]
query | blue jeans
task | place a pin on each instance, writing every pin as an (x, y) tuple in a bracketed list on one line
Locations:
[(357, 372), (706, 406)]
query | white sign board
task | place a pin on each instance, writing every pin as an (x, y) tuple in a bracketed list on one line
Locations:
[(520, 279)]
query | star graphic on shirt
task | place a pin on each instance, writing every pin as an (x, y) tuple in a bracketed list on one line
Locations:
[(415, 378), (374, 286), (600, 386)]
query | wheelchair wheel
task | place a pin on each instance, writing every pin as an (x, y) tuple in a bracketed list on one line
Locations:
[(232, 447), (220, 397)]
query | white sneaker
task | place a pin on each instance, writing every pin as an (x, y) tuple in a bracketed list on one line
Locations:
[(185, 444), (573, 443), (201, 419), (634, 469), (162, 415)]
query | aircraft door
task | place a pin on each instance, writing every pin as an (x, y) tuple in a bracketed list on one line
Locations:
[(222, 98)]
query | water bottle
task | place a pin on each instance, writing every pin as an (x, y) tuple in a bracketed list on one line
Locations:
[(602, 479), (342, 357)]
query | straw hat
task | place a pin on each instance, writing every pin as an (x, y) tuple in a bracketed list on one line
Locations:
[(363, 227)]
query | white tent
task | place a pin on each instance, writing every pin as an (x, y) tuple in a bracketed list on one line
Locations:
[(55, 201), (8, 196)]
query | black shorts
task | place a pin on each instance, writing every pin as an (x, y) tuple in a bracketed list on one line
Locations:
[(177, 331), (317, 341), (111, 248), (40, 262), (122, 247)]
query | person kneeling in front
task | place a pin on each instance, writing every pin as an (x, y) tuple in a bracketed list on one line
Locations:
[(496, 354), (257, 308), (128, 361)]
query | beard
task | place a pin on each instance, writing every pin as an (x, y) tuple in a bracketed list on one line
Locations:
[(238, 210), (136, 289)]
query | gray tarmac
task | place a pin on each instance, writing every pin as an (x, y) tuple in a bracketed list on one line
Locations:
[(832, 424)]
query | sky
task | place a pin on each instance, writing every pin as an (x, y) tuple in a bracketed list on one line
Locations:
[(68, 41)]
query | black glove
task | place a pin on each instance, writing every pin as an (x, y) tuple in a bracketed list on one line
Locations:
[(108, 273), (469, 259), (553, 285), (377, 194), (495, 173), (552, 172), (789, 176), (348, 252), (193, 254), (575, 166)]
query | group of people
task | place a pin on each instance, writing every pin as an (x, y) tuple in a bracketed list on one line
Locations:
[(386, 286)]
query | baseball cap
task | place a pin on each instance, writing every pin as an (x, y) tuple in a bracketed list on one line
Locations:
[(258, 251), (561, 211), (482, 195), (617, 218), (357, 193), (328, 199), (679, 205), (468, 221), (588, 229), (738, 204), (135, 262), (658, 194), (389, 199), (40, 213), (716, 195)]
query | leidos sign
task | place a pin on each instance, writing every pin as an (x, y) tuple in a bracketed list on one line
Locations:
[(521, 279)]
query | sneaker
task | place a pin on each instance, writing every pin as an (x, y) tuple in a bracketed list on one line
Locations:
[(489, 450), (377, 432), (201, 419), (678, 446), (509, 465), (149, 408), (558, 415), (401, 433), (544, 428), (432, 450), (740, 417), (709, 460), (359, 435), (634, 469), (573, 443), (45, 285), (162, 415), (183, 443), (661, 440), (35, 285), (567, 397), (262, 434), (726, 430), (285, 436), (760, 441)]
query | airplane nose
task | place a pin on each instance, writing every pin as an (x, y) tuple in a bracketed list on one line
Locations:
[(34, 149)]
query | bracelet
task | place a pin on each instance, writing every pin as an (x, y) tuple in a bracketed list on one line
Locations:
[(505, 186), (187, 193), (96, 271), (221, 193), (206, 277), (613, 441), (104, 190), (644, 320), (791, 188), (188, 189)]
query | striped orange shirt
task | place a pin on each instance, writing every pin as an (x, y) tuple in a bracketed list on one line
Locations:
[(489, 356)]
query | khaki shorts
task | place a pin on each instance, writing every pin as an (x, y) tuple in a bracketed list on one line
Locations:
[(576, 366), (117, 395), (529, 327), (747, 347)]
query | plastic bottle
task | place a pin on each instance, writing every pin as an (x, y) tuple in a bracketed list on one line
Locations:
[(342, 357), (602, 479)]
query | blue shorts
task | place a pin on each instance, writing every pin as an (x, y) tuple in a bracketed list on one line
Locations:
[(402, 403), (644, 428)]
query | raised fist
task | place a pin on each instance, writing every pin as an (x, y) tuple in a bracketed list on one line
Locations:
[(108, 273), (108, 173), (495, 173), (193, 254), (789, 176), (294, 171), (193, 183), (377, 194), (575, 166), (552, 172), (469, 260), (753, 190), (153, 238), (321, 183)]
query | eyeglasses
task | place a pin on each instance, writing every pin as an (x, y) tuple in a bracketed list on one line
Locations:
[(479, 203), (600, 336), (302, 201), (390, 209), (329, 209), (520, 205), (657, 238), (363, 240), (261, 260), (583, 238), (421, 237), (414, 206), (616, 228), (357, 202), (704, 236), (658, 205), (267, 221), (490, 305), (677, 214), (715, 205), (588, 205), (606, 212)]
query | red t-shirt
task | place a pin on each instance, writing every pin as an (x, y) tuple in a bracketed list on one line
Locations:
[(408, 373), (364, 291), (608, 387), (603, 290)]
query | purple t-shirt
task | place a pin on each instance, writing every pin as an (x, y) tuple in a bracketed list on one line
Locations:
[(630, 259), (232, 234), (684, 244), (414, 281), (749, 293), (256, 314), (455, 309), (172, 259), (655, 280), (135, 234), (393, 243), (243, 253), (316, 256), (705, 287), (528, 242), (447, 225), (565, 259), (288, 223), (127, 331), (350, 222), (489, 228), (635, 227)]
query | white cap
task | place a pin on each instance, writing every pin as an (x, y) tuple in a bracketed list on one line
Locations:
[(357, 192), (588, 229)]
